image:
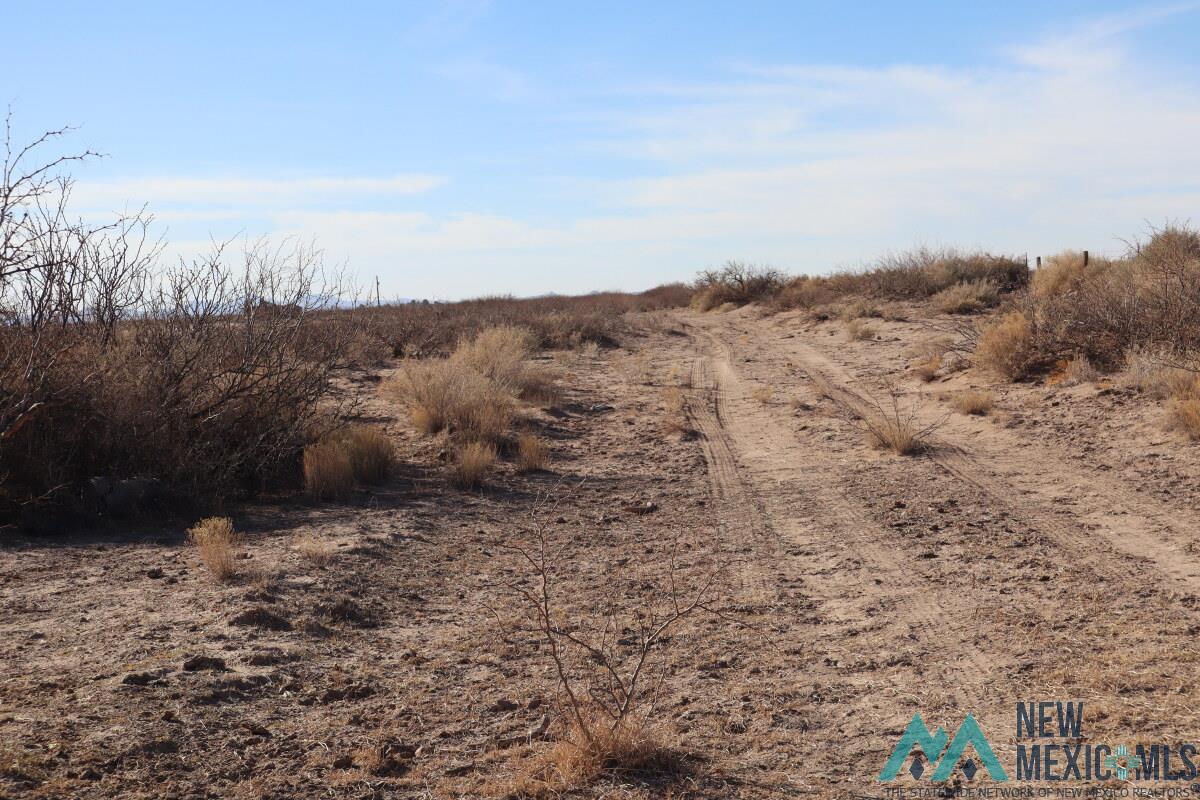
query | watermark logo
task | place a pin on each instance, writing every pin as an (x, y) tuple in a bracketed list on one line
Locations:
[(917, 735), (1049, 745)]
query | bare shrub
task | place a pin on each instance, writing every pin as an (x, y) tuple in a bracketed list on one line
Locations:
[(532, 453), (606, 672), (1006, 346), (974, 401), (328, 471), (210, 375), (967, 297), (215, 539), (735, 283), (472, 462), (314, 548), (1058, 274), (896, 426)]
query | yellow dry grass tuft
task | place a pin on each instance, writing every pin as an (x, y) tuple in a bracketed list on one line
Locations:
[(328, 471), (967, 297), (473, 461), (1005, 346), (532, 453), (448, 394), (1185, 416), (975, 402), (370, 452), (763, 394), (632, 750), (313, 548), (215, 538)]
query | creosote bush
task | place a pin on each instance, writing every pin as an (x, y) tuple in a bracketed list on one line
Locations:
[(215, 538)]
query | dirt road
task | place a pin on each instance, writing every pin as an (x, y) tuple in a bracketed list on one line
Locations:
[(1044, 552)]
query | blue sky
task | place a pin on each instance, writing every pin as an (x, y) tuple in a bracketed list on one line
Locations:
[(466, 148)]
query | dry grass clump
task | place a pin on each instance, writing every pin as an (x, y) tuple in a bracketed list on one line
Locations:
[(967, 297), (328, 471), (763, 394), (896, 427), (215, 538), (313, 548), (1153, 371), (975, 402), (857, 309), (857, 330), (532, 453), (1058, 274), (1005, 346), (1079, 370), (472, 462), (499, 354), (1185, 415), (370, 452), (633, 751), (1150, 298), (449, 395), (927, 370)]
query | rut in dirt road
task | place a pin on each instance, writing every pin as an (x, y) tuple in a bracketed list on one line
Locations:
[(885, 619)]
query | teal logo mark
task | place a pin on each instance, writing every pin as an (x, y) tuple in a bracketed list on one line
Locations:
[(917, 735), (1123, 761)]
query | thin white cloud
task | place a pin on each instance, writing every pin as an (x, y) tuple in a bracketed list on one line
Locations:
[(247, 192)]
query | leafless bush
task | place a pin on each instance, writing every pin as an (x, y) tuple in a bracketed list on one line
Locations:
[(609, 670), (736, 283), (208, 376)]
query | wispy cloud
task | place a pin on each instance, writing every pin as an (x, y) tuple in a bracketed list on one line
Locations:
[(247, 192)]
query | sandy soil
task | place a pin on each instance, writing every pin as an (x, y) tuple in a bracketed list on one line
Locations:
[(1045, 551)]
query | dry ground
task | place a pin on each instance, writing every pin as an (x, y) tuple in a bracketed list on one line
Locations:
[(1044, 551)]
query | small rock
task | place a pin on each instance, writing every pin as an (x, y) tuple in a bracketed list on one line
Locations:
[(260, 617), (154, 572), (142, 678)]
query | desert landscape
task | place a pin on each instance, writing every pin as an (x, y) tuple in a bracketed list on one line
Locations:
[(715, 540), (513, 400)]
